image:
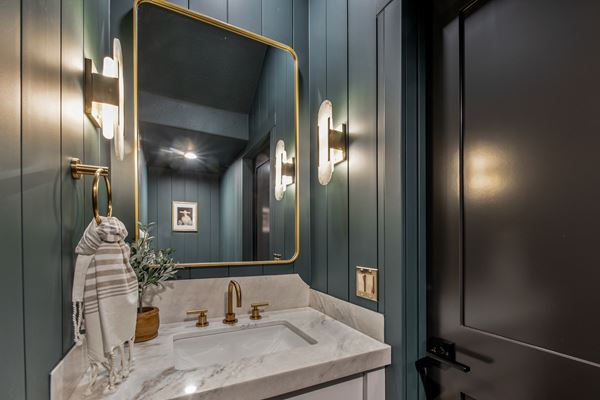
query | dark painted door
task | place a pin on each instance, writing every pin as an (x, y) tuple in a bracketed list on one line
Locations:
[(262, 209), (514, 198)]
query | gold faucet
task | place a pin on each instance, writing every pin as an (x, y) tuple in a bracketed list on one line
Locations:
[(230, 316)]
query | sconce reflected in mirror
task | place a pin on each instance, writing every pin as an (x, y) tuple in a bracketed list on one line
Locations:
[(331, 142), (285, 170), (104, 97)]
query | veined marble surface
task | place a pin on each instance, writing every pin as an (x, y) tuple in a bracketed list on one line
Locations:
[(369, 322), (282, 292), (340, 351), (68, 372)]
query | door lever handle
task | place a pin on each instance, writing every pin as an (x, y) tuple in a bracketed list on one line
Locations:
[(440, 351), (431, 360)]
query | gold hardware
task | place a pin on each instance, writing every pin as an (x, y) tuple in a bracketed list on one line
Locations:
[(230, 318), (251, 35), (337, 141), (289, 169), (256, 311), (78, 170), (95, 196), (202, 320), (98, 89), (366, 283)]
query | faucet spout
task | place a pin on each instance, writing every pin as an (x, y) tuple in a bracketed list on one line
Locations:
[(230, 316)]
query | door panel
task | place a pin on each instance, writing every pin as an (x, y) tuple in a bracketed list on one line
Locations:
[(513, 197), (262, 211), (524, 109)]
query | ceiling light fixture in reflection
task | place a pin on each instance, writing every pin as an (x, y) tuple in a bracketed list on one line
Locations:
[(190, 156)]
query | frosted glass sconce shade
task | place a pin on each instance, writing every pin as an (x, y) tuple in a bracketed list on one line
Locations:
[(104, 97), (285, 170), (331, 143)]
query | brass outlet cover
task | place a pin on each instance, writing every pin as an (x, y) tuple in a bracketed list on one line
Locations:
[(366, 283)]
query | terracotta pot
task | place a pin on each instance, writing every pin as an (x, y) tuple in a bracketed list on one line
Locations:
[(147, 325)]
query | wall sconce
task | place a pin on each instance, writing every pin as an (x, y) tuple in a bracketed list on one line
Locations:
[(285, 170), (331, 143), (103, 97)]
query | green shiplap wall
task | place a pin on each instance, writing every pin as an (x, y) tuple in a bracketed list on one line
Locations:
[(164, 187), (343, 69), (364, 58), (231, 214), (12, 347), (45, 210), (282, 20), (360, 57)]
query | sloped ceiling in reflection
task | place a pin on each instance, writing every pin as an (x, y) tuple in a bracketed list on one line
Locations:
[(189, 60), (164, 146)]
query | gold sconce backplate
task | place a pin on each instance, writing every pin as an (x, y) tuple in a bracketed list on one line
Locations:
[(98, 89), (366, 283)]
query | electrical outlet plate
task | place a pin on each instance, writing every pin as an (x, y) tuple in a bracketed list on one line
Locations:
[(366, 283)]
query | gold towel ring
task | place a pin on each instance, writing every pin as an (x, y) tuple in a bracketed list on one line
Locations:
[(95, 195)]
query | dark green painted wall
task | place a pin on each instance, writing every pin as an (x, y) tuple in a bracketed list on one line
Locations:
[(166, 186), (41, 109), (271, 116), (364, 57), (12, 372), (45, 210), (343, 69), (231, 213)]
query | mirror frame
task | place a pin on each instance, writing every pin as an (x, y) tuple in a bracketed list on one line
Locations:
[(251, 35)]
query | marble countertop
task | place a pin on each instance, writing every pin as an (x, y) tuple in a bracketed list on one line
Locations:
[(340, 351)]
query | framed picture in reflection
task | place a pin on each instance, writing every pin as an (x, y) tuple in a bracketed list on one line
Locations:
[(185, 216)]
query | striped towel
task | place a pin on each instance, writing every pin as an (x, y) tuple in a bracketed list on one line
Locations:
[(105, 291)]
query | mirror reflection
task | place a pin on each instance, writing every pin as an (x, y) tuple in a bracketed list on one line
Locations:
[(216, 114)]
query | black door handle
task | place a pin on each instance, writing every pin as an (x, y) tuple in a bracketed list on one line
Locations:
[(431, 360), (444, 352), (439, 352)]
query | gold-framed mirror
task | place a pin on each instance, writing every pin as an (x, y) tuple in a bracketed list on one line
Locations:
[(216, 121)]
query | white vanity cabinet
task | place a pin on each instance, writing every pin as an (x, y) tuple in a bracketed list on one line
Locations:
[(369, 386)]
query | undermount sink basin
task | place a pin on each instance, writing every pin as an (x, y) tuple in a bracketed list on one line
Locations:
[(199, 349)]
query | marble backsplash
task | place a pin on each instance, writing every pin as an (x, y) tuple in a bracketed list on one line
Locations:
[(282, 292), (369, 322)]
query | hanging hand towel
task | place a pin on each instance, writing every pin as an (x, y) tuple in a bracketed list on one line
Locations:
[(105, 289)]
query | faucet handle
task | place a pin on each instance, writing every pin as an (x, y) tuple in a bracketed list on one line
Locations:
[(202, 319), (256, 310)]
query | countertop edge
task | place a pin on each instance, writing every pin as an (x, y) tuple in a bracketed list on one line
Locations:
[(300, 379)]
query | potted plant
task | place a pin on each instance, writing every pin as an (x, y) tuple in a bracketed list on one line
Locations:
[(152, 268)]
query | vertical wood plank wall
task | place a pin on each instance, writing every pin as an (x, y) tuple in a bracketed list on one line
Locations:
[(355, 60), (12, 348), (202, 189), (343, 69), (44, 210), (369, 213)]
